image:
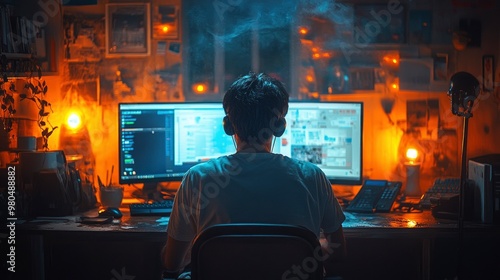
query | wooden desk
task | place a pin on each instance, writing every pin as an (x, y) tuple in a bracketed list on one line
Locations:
[(391, 246)]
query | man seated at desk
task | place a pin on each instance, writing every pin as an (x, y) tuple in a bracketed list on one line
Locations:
[(253, 185)]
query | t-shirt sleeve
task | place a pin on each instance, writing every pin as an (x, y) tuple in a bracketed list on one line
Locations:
[(333, 215), (182, 223)]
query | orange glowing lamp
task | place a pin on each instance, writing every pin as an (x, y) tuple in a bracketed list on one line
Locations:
[(391, 61), (412, 167), (393, 84), (165, 28), (412, 155), (200, 88), (303, 30), (74, 121)]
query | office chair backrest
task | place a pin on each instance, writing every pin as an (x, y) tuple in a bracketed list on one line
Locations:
[(256, 251)]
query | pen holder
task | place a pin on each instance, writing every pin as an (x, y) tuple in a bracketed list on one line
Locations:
[(111, 196)]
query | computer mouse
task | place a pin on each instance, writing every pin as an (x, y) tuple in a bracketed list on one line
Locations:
[(110, 212)]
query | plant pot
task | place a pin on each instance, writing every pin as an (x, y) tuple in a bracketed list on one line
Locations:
[(25, 109), (32, 162)]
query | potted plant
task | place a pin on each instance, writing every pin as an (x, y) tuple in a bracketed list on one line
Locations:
[(35, 90), (24, 109)]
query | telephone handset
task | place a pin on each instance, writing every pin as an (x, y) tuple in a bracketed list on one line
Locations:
[(375, 196)]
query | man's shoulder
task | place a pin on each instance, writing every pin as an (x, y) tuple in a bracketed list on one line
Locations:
[(209, 165), (304, 164), (222, 163)]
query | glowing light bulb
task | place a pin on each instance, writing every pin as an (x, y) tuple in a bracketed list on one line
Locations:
[(165, 28), (412, 154), (412, 167), (74, 121)]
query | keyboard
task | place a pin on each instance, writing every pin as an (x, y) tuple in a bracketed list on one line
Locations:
[(441, 187), (160, 208)]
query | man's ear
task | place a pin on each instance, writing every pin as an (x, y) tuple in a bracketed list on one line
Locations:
[(228, 126)]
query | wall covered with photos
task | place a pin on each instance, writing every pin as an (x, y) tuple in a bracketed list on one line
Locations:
[(126, 51), (112, 45), (114, 52)]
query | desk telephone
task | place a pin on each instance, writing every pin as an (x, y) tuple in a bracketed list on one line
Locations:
[(375, 196)]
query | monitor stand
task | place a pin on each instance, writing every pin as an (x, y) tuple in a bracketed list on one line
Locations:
[(149, 192)]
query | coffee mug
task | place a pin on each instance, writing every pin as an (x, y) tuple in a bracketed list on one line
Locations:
[(111, 196)]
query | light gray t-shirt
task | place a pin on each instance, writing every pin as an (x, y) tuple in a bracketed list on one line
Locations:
[(254, 188)]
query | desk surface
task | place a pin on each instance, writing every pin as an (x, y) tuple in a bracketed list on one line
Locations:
[(377, 225), (133, 243)]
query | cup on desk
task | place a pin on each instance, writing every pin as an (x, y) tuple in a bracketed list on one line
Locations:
[(111, 196)]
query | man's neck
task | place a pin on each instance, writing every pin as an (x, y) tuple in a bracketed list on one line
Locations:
[(244, 147), (250, 149)]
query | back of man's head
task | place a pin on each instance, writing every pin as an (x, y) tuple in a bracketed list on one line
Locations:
[(256, 105)]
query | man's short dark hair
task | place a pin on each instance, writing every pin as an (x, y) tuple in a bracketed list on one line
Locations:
[(253, 103)]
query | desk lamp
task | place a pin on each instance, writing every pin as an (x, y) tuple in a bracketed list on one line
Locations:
[(412, 166), (464, 89), (75, 141)]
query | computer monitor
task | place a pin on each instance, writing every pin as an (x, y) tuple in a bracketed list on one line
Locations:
[(159, 142), (328, 134)]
